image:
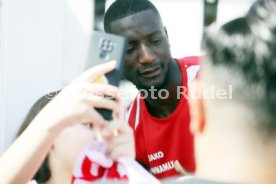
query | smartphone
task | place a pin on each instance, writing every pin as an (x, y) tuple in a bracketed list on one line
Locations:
[(106, 47)]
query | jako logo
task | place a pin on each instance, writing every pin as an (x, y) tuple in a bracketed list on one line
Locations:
[(156, 156)]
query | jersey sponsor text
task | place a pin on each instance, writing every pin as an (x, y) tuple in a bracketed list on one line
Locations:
[(162, 168)]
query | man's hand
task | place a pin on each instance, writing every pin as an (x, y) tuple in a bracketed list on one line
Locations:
[(179, 169)]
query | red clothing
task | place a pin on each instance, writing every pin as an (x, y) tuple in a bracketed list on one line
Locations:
[(93, 164), (159, 142)]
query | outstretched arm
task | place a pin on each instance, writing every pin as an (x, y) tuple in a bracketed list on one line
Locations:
[(75, 104)]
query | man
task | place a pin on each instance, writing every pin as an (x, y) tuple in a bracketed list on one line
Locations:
[(159, 114), (235, 130)]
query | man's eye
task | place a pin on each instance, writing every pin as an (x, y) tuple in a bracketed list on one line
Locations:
[(130, 49), (156, 40)]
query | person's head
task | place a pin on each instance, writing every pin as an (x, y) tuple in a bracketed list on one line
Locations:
[(148, 53), (66, 147), (237, 131)]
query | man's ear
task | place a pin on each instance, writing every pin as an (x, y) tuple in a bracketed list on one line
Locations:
[(196, 103)]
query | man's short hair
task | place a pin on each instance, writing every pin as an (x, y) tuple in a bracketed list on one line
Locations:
[(123, 8), (242, 53)]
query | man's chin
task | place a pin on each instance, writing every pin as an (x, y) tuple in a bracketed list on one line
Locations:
[(153, 85)]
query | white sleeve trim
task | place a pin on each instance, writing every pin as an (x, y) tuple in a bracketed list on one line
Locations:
[(191, 73), (137, 113), (137, 118)]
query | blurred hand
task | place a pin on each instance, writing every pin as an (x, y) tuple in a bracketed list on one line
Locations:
[(121, 139), (77, 102), (179, 169)]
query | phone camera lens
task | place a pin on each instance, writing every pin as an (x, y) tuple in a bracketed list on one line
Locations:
[(103, 55)]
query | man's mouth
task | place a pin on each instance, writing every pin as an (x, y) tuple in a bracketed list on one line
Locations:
[(151, 72)]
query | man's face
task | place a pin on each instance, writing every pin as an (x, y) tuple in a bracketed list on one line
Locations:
[(148, 53)]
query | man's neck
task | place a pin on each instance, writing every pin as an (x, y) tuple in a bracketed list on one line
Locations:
[(163, 107)]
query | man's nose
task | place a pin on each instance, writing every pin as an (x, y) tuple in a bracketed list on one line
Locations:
[(147, 56)]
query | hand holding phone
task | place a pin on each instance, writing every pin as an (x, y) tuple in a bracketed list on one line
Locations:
[(106, 47)]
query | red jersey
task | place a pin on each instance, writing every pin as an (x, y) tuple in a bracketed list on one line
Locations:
[(160, 142)]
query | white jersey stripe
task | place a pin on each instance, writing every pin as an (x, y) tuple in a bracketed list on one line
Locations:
[(191, 72), (127, 113), (137, 118)]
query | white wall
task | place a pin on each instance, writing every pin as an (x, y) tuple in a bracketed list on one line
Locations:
[(184, 21), (43, 45), (230, 9), (2, 135)]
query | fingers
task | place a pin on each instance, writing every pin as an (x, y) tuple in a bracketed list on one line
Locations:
[(102, 89), (121, 145), (103, 103), (122, 150), (116, 127), (179, 169), (125, 128), (100, 102), (118, 140), (102, 95), (96, 119), (76, 105), (110, 130), (121, 140), (121, 115), (92, 73)]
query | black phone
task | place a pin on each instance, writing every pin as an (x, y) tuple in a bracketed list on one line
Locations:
[(106, 47)]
